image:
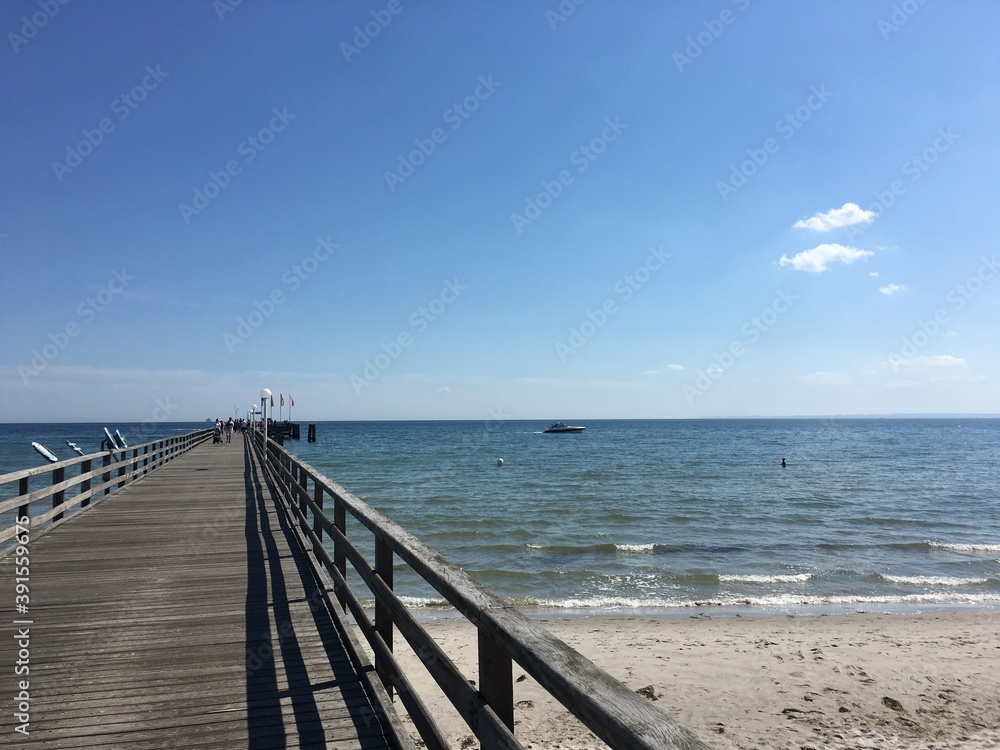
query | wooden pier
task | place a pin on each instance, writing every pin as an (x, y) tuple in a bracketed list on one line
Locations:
[(198, 606), (181, 614)]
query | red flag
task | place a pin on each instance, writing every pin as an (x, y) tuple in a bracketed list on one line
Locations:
[(291, 401), (281, 398)]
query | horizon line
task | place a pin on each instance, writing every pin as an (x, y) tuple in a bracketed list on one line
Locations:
[(887, 415)]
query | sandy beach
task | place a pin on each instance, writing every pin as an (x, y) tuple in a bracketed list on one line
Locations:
[(929, 681)]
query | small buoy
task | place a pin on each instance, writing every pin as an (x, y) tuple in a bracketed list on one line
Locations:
[(499, 462)]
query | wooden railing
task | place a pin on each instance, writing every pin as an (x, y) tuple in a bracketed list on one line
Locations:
[(614, 713), (117, 469)]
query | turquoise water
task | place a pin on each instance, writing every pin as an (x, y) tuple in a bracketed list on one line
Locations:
[(657, 517)]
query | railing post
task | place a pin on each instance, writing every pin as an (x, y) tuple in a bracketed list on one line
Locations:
[(22, 490), (106, 476), (339, 552), (303, 498), (121, 469), (496, 679), (85, 485), (58, 475), (383, 617), (145, 459), (294, 477), (134, 466), (317, 513)]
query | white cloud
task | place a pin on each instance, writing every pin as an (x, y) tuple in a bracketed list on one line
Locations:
[(942, 360), (660, 372), (817, 259), (443, 389), (926, 363), (891, 288), (846, 216), (951, 334), (825, 378), (873, 274)]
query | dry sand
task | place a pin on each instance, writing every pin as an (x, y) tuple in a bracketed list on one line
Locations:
[(845, 681)]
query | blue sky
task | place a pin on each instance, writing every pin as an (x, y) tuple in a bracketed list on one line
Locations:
[(413, 210)]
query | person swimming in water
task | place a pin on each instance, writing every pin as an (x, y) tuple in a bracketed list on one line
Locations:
[(783, 464)]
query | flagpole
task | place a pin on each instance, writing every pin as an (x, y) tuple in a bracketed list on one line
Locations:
[(290, 402)]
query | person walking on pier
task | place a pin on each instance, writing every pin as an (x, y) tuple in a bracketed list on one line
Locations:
[(229, 430)]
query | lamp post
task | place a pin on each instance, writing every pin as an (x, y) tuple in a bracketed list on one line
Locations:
[(252, 416), (265, 396)]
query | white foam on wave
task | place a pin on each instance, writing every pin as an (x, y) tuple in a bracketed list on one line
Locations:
[(939, 598), (779, 601), (932, 580), (634, 547), (608, 602), (966, 547), (974, 599), (423, 601), (734, 578)]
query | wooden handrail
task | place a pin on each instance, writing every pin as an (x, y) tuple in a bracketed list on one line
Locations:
[(608, 708), (132, 464)]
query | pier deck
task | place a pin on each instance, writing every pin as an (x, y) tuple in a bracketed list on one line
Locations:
[(181, 613)]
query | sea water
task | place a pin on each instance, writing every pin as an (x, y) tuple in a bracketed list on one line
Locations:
[(673, 516)]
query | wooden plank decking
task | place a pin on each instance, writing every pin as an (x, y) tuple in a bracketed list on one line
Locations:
[(178, 613)]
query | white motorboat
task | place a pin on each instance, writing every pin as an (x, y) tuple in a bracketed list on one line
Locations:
[(560, 427)]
